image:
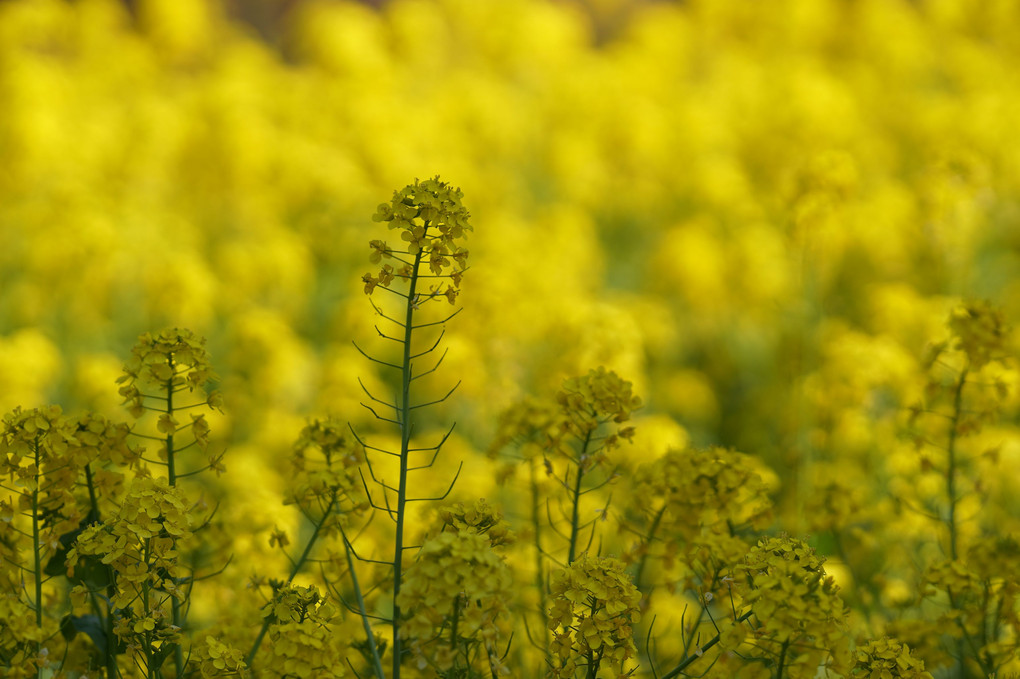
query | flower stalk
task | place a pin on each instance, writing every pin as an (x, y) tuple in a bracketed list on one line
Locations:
[(432, 222)]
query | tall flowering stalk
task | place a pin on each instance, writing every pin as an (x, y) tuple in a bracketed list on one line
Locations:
[(573, 436), (594, 606), (969, 378), (694, 513), (328, 491), (57, 476), (41, 460), (567, 442), (427, 270), (163, 370), (454, 602), (140, 544)]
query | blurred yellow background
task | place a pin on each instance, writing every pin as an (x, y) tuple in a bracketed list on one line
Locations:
[(757, 212)]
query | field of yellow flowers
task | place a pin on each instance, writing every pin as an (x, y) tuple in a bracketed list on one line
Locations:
[(509, 338)]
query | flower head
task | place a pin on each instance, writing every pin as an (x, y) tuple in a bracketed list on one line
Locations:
[(594, 607), (432, 222), (980, 331), (171, 360)]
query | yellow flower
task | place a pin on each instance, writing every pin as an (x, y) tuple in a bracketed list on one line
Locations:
[(594, 605), (887, 657), (980, 331), (166, 424), (278, 537), (431, 220), (795, 604), (456, 578)]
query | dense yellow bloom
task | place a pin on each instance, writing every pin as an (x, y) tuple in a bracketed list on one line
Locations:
[(712, 488), (598, 397), (980, 332), (432, 221), (162, 164), (800, 615), (302, 641), (594, 606), (480, 518), (982, 600), (326, 460), (43, 453), (526, 425), (173, 356), (454, 596), (887, 659), (570, 426), (689, 509), (217, 659), (141, 546)]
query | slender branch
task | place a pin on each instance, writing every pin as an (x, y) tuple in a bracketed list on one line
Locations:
[(678, 670), (405, 441), (376, 661), (250, 659)]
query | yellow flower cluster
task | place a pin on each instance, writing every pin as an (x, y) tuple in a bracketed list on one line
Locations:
[(594, 606), (587, 403), (596, 398), (108, 439), (44, 454), (968, 375), (695, 502), (303, 642), (292, 603), (978, 589), (41, 455), (526, 425), (453, 598), (980, 331), (431, 221), (20, 635), (171, 360), (480, 518), (887, 658), (800, 617), (326, 459), (216, 659), (712, 488), (140, 545)]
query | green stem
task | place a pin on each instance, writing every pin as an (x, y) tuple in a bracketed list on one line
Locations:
[(539, 578), (651, 536), (782, 659), (36, 550), (112, 671), (405, 444), (171, 473), (171, 469), (453, 625), (153, 672), (678, 670), (293, 573), (376, 661), (951, 495), (951, 467), (694, 628), (640, 571), (592, 663), (575, 513)]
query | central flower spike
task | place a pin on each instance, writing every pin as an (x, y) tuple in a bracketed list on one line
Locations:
[(432, 222)]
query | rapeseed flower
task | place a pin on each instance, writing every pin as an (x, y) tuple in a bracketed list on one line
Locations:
[(594, 607)]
